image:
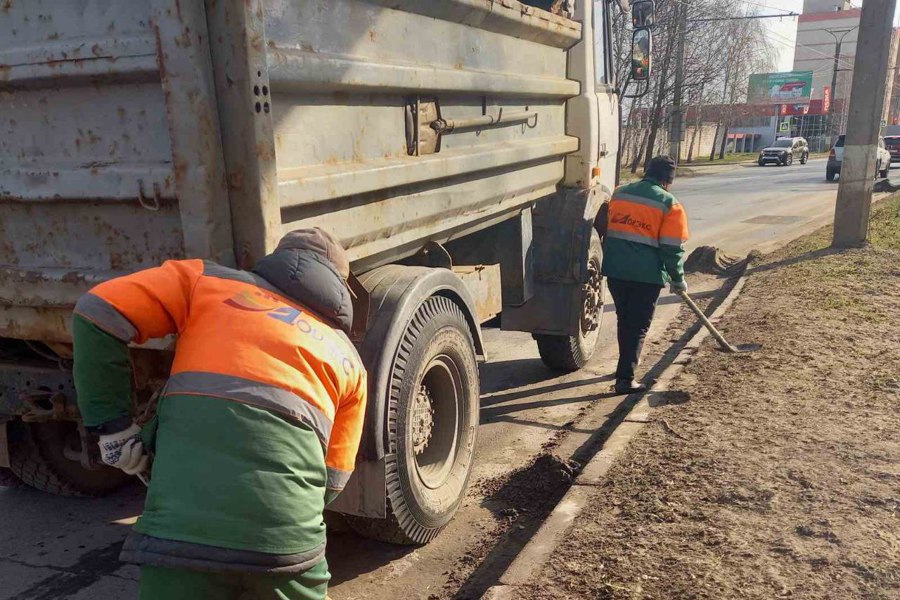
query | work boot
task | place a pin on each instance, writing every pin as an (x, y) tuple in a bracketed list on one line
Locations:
[(629, 386)]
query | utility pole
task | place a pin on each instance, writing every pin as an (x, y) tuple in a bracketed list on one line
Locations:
[(838, 41), (854, 201), (676, 127)]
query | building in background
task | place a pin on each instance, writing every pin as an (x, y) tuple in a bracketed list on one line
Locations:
[(892, 99), (770, 112), (829, 29)]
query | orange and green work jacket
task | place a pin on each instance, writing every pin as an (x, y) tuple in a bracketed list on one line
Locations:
[(259, 424), (645, 235)]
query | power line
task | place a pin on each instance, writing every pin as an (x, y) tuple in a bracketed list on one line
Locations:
[(766, 6), (841, 61), (743, 18)]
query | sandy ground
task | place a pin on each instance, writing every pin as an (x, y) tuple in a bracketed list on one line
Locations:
[(779, 474)]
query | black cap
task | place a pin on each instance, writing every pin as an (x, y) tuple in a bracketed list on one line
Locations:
[(662, 169)]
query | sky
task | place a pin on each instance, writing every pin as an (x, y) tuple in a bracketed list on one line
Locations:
[(783, 32)]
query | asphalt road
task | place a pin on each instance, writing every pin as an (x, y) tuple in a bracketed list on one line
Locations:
[(56, 548), (757, 207)]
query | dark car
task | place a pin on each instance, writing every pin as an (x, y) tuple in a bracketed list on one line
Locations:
[(892, 143), (784, 151)]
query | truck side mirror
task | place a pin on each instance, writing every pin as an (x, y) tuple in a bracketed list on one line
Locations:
[(642, 14), (641, 49)]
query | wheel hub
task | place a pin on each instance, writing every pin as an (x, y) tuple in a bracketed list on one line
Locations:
[(593, 299), (423, 420)]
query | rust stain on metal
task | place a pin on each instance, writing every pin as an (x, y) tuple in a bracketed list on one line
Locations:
[(264, 151), (160, 55), (6, 5), (184, 40), (73, 277)]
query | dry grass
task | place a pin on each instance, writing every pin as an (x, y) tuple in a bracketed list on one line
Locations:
[(783, 480)]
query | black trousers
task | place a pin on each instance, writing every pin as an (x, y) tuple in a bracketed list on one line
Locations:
[(635, 305)]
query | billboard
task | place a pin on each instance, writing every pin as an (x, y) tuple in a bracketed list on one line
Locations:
[(791, 87)]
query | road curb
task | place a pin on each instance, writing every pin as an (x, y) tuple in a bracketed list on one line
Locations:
[(537, 552)]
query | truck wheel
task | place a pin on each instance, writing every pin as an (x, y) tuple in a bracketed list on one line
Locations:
[(572, 352), (432, 423), (39, 459), (829, 175)]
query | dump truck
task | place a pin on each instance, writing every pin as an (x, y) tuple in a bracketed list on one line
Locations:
[(461, 150)]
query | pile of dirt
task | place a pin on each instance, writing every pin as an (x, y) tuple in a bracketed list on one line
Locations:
[(520, 501), (712, 261), (780, 476), (885, 185)]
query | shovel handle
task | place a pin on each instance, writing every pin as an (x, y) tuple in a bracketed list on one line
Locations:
[(706, 322)]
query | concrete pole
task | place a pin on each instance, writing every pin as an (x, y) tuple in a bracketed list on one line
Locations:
[(854, 201), (834, 72), (838, 41)]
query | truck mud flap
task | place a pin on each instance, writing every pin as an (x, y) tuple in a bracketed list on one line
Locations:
[(562, 235)]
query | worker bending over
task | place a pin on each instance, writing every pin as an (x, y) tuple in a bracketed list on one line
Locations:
[(258, 426), (643, 250)]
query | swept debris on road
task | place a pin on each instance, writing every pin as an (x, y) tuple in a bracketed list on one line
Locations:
[(784, 478)]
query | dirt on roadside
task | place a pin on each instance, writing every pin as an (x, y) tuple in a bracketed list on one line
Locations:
[(780, 476)]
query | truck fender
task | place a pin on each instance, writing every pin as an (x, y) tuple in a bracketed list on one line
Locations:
[(395, 294), (562, 237)]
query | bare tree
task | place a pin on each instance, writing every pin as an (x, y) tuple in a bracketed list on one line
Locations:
[(718, 57)]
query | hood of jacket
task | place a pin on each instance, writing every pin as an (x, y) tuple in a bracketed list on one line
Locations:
[(311, 280)]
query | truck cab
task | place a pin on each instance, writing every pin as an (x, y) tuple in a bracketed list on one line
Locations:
[(461, 151)]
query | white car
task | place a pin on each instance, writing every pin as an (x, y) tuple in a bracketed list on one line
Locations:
[(836, 156)]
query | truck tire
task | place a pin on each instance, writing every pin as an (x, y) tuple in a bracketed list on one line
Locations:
[(432, 424), (572, 352), (39, 459), (830, 175)]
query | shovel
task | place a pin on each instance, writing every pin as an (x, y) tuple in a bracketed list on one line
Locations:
[(724, 346)]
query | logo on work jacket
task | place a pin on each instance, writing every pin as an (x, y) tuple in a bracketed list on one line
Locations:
[(259, 302), (246, 301), (626, 219)]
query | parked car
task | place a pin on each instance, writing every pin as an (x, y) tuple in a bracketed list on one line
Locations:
[(892, 144), (784, 151), (836, 156)]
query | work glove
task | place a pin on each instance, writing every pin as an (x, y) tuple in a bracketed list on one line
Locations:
[(678, 286), (124, 450)]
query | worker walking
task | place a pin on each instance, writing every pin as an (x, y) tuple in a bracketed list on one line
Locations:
[(258, 426), (643, 250)]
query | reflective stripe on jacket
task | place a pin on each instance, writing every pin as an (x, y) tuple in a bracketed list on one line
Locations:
[(241, 339), (645, 235)]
